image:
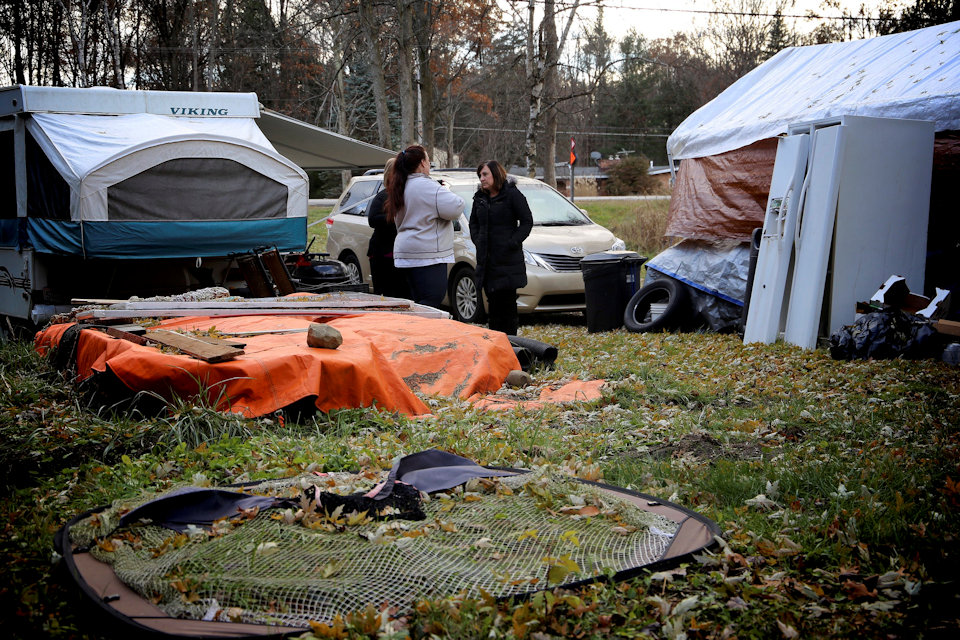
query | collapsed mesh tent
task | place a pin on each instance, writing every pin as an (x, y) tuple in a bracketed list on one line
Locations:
[(728, 146), (275, 556)]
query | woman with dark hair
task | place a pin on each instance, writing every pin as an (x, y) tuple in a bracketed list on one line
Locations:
[(387, 279), (499, 223), (423, 211)]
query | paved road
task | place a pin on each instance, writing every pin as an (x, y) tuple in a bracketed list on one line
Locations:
[(329, 202), (602, 198)]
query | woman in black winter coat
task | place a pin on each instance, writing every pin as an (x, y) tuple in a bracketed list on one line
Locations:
[(387, 279), (499, 223)]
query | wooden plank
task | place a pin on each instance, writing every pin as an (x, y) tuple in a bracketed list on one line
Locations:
[(948, 327), (80, 301), (125, 335), (193, 346), (250, 304), (220, 341), (128, 314), (133, 328), (249, 334)]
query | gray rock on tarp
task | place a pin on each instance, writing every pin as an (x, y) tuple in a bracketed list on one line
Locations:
[(323, 336)]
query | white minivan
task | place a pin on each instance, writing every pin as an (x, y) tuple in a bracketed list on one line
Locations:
[(562, 234)]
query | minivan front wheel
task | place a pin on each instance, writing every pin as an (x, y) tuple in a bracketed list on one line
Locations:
[(465, 297)]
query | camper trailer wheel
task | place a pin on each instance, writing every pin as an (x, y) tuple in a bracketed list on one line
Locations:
[(660, 305), (352, 264)]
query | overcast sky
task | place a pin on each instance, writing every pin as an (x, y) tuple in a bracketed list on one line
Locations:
[(650, 19)]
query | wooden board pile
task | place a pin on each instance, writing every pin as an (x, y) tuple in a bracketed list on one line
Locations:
[(212, 349)]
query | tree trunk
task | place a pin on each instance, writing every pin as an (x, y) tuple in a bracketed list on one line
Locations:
[(539, 63), (343, 123), (550, 88), (408, 104), (423, 24), (283, 78), (550, 148), (451, 118), (78, 38), (195, 39), (534, 95), (214, 43), (375, 59), (112, 31)]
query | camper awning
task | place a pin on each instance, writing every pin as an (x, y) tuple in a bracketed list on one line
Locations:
[(313, 148)]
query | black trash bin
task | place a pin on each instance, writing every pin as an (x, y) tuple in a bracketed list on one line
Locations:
[(610, 278)]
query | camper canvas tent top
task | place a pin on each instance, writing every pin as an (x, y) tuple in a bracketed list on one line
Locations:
[(727, 147), (97, 177)]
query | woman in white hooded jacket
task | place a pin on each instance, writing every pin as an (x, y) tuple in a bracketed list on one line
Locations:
[(423, 211)]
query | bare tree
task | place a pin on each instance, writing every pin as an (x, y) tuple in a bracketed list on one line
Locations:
[(542, 54), (423, 24), (405, 62), (80, 16), (368, 26)]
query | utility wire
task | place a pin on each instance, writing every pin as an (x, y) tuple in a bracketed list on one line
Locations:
[(578, 132), (747, 14)]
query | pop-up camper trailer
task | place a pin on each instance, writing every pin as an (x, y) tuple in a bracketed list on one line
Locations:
[(116, 193)]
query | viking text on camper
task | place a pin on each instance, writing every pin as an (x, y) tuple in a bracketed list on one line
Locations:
[(198, 111)]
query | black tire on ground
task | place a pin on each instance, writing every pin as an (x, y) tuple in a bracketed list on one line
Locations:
[(465, 298), (352, 264), (661, 305)]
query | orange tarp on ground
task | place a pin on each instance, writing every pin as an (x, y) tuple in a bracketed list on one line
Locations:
[(379, 353), (574, 391)]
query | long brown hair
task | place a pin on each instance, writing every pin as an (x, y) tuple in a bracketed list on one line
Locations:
[(406, 162), (497, 171)]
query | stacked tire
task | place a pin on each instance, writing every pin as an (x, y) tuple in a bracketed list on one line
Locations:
[(661, 305)]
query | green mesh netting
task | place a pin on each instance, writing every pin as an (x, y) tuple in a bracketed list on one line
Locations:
[(506, 536)]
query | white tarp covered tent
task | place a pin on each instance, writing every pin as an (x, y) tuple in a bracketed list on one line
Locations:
[(728, 145), (913, 75)]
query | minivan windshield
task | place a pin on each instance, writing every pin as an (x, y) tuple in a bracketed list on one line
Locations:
[(549, 208)]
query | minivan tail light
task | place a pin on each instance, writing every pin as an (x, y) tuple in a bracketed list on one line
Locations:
[(329, 222)]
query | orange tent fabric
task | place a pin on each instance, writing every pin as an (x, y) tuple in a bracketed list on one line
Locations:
[(383, 357)]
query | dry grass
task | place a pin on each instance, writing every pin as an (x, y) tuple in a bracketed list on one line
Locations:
[(640, 223)]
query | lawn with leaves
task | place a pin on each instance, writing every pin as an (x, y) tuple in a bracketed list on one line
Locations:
[(836, 484)]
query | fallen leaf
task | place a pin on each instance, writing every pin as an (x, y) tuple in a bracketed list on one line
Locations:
[(857, 590), (787, 631)]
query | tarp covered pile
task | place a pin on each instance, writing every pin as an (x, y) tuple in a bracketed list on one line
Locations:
[(728, 145), (384, 359)]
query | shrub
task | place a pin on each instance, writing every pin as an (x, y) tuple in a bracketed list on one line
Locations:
[(630, 176)]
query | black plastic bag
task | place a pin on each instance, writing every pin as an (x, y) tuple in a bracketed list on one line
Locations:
[(885, 334)]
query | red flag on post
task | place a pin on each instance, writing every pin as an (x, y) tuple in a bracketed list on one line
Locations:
[(573, 155)]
